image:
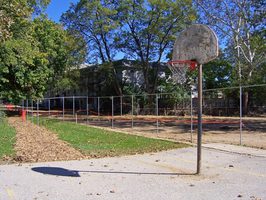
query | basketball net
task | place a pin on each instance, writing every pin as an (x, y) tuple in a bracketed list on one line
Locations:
[(179, 69)]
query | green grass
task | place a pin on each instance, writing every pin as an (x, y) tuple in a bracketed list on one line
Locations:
[(7, 139), (99, 143)]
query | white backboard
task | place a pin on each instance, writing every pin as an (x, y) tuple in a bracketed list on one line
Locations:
[(198, 43)]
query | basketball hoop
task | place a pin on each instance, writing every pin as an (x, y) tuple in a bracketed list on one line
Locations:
[(179, 69), (196, 43)]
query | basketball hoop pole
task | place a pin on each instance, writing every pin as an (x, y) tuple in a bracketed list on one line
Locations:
[(197, 43), (199, 118)]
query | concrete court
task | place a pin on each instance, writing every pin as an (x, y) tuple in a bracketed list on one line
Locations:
[(164, 175)]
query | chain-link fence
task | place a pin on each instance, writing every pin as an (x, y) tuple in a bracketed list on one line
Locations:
[(230, 115)]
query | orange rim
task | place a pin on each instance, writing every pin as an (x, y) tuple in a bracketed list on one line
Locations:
[(192, 64)]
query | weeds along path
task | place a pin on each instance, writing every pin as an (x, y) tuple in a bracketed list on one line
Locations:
[(37, 144)]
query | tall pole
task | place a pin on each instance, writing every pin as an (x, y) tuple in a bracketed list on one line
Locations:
[(240, 91), (199, 118)]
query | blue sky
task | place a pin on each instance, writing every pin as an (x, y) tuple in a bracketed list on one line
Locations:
[(57, 7)]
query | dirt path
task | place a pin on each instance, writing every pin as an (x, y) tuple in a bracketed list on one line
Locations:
[(37, 144)]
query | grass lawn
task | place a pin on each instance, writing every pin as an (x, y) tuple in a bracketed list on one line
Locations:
[(7, 139), (99, 143)]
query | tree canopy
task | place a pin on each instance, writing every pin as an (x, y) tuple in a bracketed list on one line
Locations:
[(140, 30), (37, 54), (32, 52), (241, 24)]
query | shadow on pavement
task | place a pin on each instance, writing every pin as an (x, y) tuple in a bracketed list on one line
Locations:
[(57, 171)]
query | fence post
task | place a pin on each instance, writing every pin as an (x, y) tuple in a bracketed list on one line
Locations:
[(73, 109), (132, 112), (31, 110), (98, 103), (121, 105), (191, 116), (27, 108), (49, 106), (157, 113), (112, 111), (22, 104), (87, 108), (240, 113), (38, 119), (63, 102)]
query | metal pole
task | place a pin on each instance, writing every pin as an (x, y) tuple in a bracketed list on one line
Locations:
[(31, 110), (63, 99), (191, 116), (49, 106), (132, 112), (199, 118), (121, 105), (76, 116), (240, 92), (98, 103), (27, 108), (87, 108), (73, 106), (22, 107), (22, 104), (157, 114), (112, 111), (38, 119), (240, 113)]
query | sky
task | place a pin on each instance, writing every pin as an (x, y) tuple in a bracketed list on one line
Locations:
[(57, 7)]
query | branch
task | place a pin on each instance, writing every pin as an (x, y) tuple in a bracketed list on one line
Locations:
[(138, 43), (211, 15)]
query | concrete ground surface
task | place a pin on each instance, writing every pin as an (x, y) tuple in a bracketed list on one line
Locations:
[(157, 176)]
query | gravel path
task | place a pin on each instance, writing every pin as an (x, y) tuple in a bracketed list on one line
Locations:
[(37, 144)]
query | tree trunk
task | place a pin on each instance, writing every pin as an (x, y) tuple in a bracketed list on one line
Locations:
[(246, 98), (116, 84)]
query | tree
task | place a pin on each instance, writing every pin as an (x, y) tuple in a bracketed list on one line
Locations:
[(217, 73), (10, 12), (141, 30), (94, 20), (65, 52), (68, 76), (33, 52), (239, 22), (13, 11), (24, 71), (147, 30)]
